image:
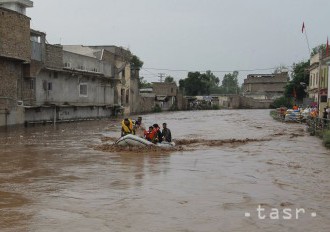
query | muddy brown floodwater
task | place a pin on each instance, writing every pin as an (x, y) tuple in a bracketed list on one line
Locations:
[(229, 164)]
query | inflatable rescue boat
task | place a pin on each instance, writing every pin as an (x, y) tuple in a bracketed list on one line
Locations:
[(133, 140)]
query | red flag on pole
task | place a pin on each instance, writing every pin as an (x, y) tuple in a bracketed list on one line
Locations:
[(303, 27)]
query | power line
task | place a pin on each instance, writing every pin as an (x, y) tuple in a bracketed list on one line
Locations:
[(214, 71)]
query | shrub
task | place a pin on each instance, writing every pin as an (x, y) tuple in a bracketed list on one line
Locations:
[(156, 109), (173, 108), (326, 138), (282, 101), (215, 107)]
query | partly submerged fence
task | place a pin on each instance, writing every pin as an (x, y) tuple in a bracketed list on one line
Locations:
[(317, 126)]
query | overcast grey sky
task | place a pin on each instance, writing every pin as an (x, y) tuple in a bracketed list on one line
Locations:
[(216, 35)]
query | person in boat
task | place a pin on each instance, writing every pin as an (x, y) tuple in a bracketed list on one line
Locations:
[(295, 107), (139, 128), (158, 134), (150, 134), (166, 133), (127, 127)]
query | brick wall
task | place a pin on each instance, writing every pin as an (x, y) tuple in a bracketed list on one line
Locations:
[(54, 56), (14, 35), (166, 89), (269, 87), (250, 103), (10, 76), (146, 104)]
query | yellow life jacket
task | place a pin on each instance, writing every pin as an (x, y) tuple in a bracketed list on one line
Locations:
[(128, 129)]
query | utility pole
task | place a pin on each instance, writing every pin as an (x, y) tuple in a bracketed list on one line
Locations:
[(161, 75)]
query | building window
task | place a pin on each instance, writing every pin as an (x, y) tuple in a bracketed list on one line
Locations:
[(83, 90), (127, 96), (32, 83), (324, 98), (67, 65), (55, 74), (50, 86)]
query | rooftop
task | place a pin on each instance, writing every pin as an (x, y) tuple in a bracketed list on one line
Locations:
[(25, 3), (82, 50)]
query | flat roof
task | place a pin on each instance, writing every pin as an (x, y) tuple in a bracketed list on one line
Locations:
[(26, 3)]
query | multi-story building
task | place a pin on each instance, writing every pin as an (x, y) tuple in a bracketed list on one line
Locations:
[(43, 82), (127, 77), (318, 80), (326, 61), (265, 87), (15, 53)]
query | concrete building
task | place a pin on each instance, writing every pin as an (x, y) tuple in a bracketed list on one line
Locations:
[(62, 85), (326, 61), (127, 91), (231, 101), (166, 95), (15, 53), (319, 79), (43, 82), (265, 88)]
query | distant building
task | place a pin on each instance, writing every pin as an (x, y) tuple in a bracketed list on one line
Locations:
[(166, 94), (265, 87)]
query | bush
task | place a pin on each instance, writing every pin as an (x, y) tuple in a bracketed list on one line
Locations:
[(173, 108), (156, 109), (282, 101), (215, 107), (326, 138)]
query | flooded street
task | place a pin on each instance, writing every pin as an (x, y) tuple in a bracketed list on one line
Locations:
[(53, 179)]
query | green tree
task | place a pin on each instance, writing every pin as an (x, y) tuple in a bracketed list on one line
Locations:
[(192, 84), (169, 79), (199, 84), (318, 49), (136, 62), (230, 83), (299, 81), (144, 84)]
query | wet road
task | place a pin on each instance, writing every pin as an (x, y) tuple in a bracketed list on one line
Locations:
[(54, 180)]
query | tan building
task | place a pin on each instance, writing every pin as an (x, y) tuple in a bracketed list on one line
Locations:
[(265, 87), (318, 80), (166, 95)]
